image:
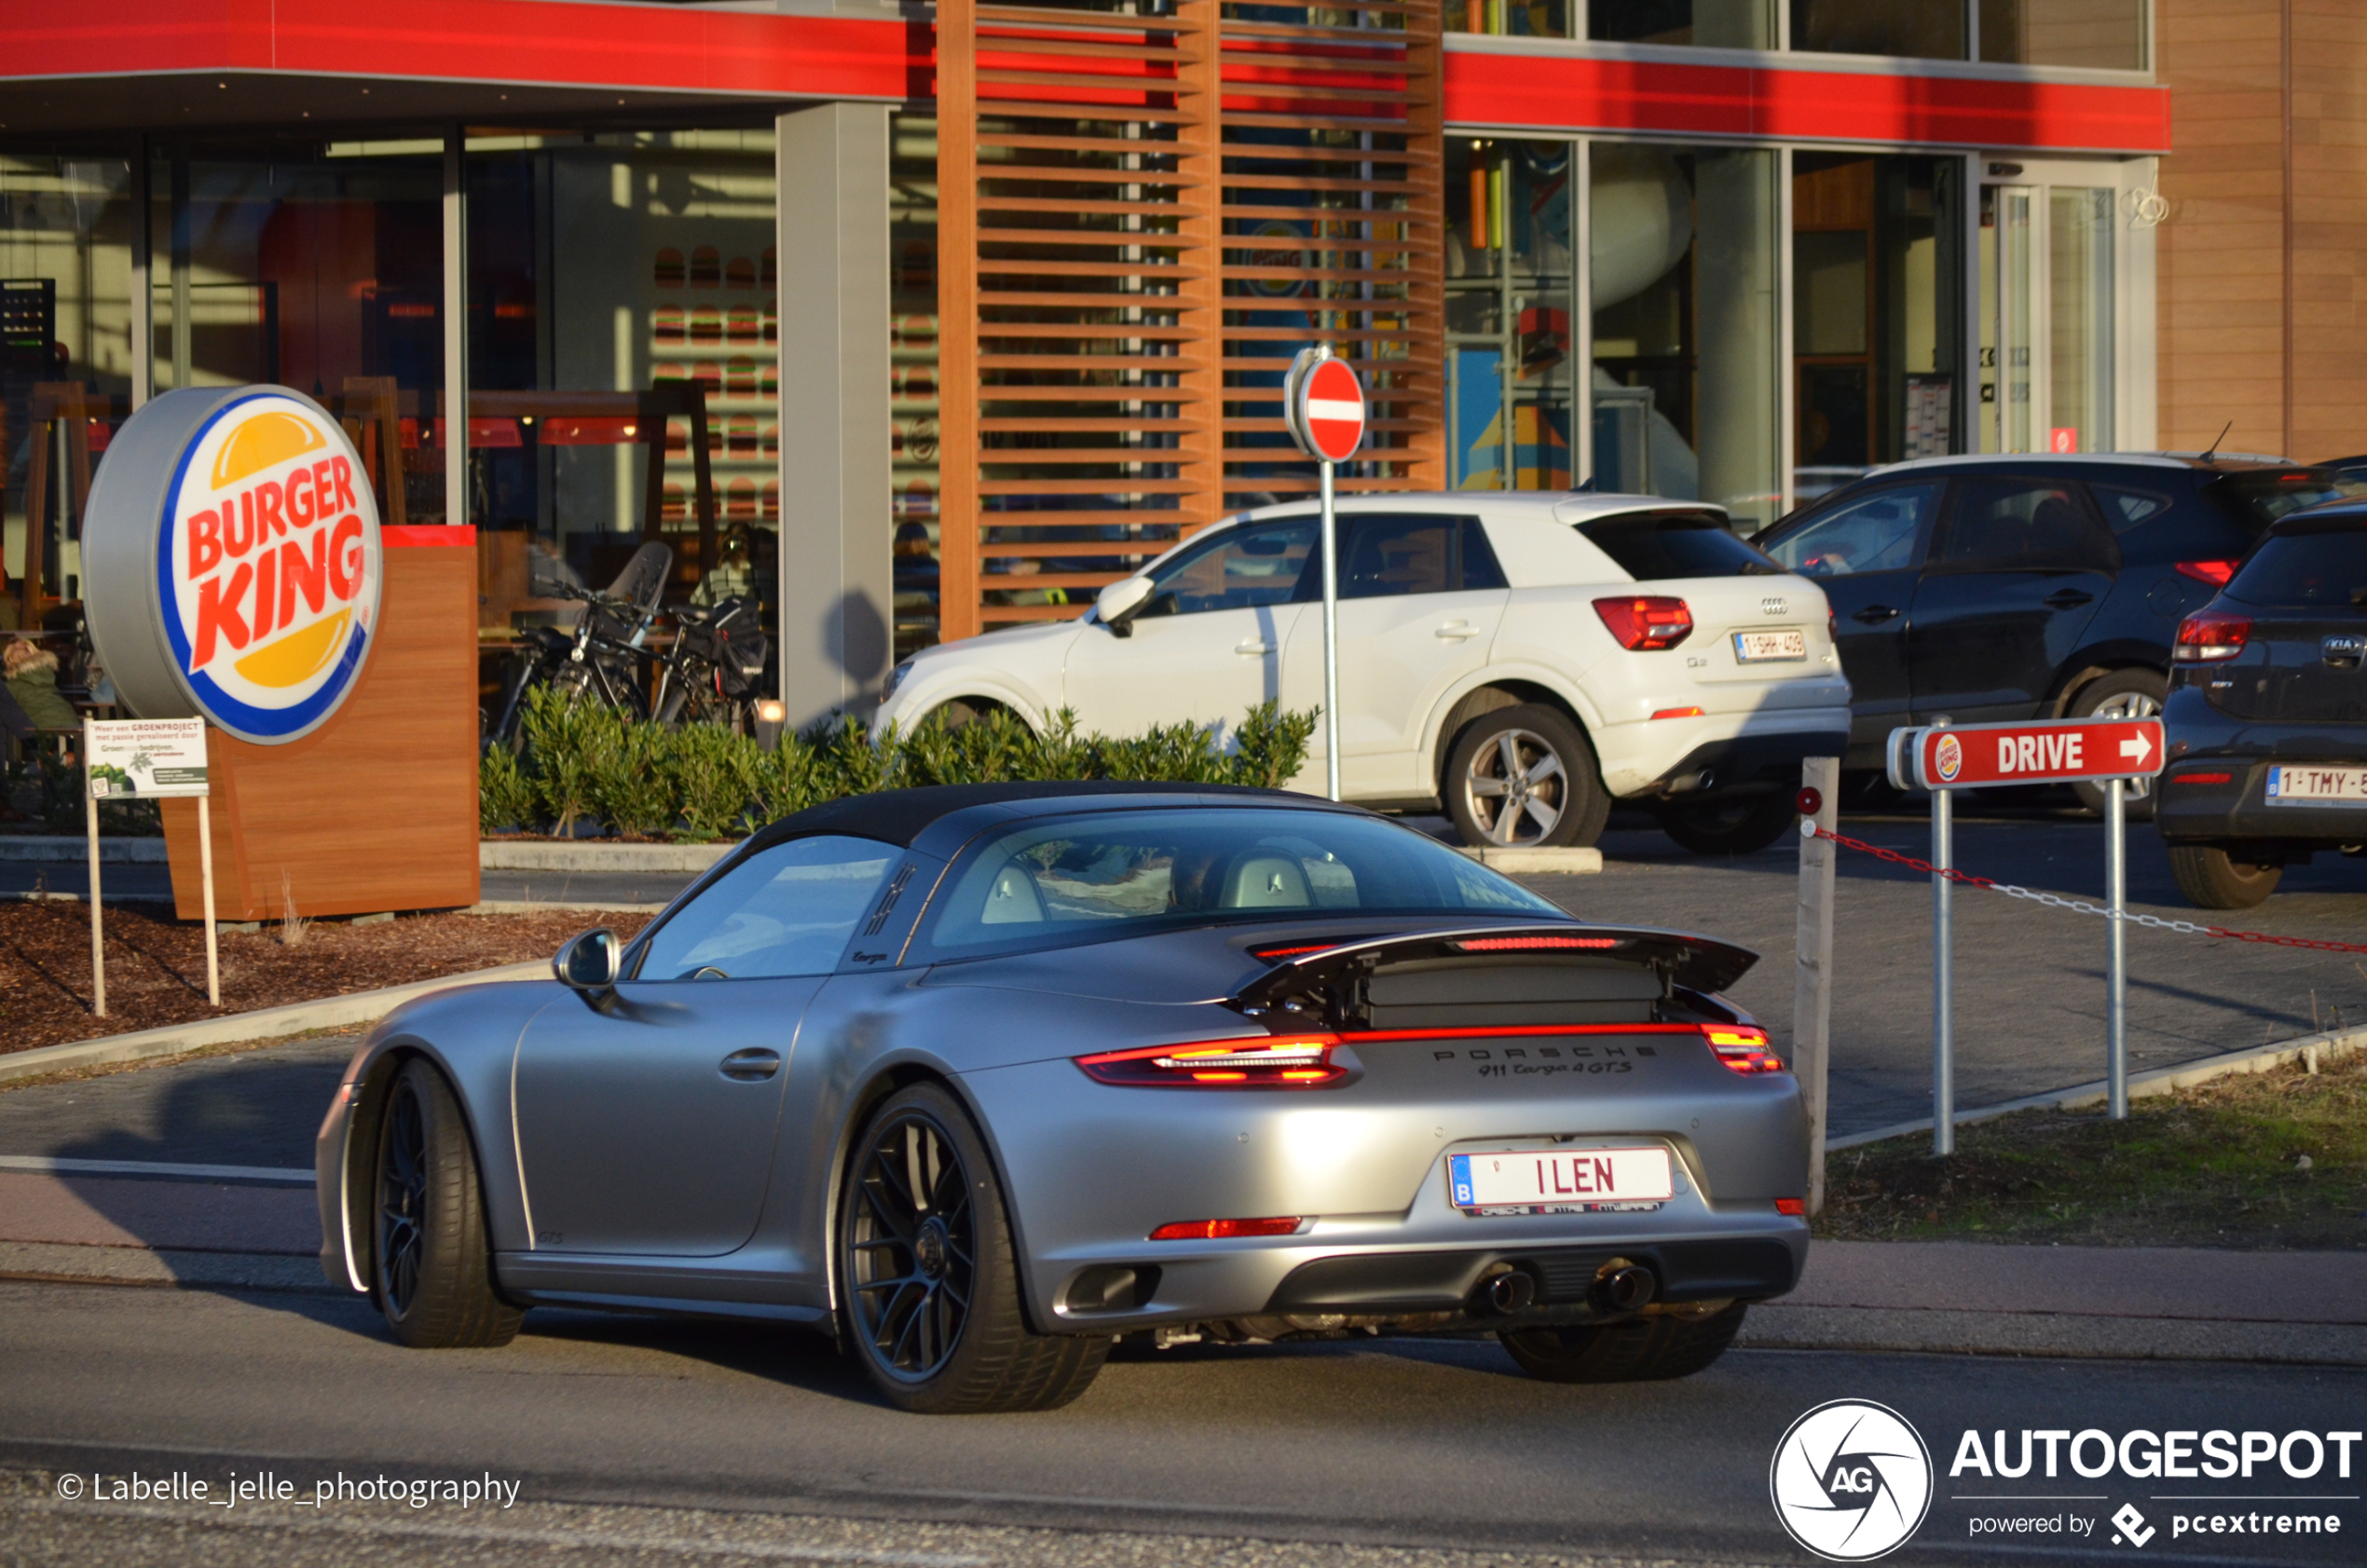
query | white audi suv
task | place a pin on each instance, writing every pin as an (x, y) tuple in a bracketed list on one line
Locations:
[(1520, 660)]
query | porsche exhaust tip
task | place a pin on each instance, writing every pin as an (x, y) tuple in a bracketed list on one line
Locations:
[(1511, 1292), (1625, 1288)]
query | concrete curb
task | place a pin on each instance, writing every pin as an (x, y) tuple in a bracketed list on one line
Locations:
[(137, 1265), (2160, 1080), (1565, 863), (73, 850), (267, 1023), (1776, 1326), (521, 854)]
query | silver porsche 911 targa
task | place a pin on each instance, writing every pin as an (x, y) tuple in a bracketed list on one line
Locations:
[(986, 1077)]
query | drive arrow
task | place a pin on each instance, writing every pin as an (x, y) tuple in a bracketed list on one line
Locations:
[(2139, 748)]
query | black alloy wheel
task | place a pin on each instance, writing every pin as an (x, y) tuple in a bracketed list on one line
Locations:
[(929, 1281), (431, 1265)]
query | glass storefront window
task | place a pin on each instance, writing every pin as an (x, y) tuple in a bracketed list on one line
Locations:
[(1913, 29), (1684, 292), (2104, 34), (912, 371), (1519, 19), (623, 367), (317, 266), (1876, 313), (2079, 287), (65, 363), (2048, 264), (1510, 282), (1727, 24)]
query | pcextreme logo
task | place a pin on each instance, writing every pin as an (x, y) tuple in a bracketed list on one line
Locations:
[(267, 566), (1851, 1480)]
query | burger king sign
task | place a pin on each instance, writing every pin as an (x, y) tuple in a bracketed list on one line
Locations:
[(231, 562)]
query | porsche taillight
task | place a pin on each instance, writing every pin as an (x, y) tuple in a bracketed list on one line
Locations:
[(1741, 1048), (1299, 1061)]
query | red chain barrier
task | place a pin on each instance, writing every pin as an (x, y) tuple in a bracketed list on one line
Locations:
[(2186, 928)]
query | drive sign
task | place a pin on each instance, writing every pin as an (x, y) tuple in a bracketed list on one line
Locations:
[(1326, 404), (231, 562), (1978, 755)]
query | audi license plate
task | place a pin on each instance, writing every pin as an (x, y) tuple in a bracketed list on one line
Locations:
[(1765, 647), (1559, 1181), (2317, 787)]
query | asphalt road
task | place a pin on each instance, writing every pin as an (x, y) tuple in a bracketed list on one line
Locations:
[(1437, 1445)]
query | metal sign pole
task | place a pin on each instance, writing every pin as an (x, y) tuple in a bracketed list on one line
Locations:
[(1943, 972), (90, 823), (2117, 950), (1331, 642), (205, 875)]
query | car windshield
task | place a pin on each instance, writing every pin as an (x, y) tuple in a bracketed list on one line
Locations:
[(2307, 570), (1657, 546), (2262, 496), (1077, 878)]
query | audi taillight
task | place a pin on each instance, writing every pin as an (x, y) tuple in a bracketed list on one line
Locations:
[(1225, 1230), (2208, 636), (1300, 1061), (1741, 1048), (1643, 622), (2216, 573)]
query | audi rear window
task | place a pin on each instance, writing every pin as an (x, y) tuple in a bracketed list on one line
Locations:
[(2309, 568), (2262, 496), (1657, 545)]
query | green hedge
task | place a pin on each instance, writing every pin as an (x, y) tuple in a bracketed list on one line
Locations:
[(581, 764)]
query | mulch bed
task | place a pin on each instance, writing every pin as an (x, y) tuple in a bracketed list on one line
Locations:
[(156, 965)]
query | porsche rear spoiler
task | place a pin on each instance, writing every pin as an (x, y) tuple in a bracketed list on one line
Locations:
[(1332, 978)]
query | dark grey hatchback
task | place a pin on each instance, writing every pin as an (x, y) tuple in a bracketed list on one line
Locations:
[(2026, 586), (2268, 714)]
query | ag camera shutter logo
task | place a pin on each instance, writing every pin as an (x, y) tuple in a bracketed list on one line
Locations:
[(1851, 1480)]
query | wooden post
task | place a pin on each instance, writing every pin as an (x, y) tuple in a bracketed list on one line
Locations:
[(205, 872), (90, 823), (1813, 986)]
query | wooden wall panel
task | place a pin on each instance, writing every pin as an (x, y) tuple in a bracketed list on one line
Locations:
[(2263, 301), (377, 809), (1141, 216)]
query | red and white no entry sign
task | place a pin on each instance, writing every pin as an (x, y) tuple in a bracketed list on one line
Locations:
[(1327, 408), (1974, 756)]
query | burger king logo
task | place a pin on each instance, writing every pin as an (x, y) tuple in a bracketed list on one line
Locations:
[(260, 536), (1947, 759)]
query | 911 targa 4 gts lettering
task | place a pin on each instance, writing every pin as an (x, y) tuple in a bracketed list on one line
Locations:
[(985, 1078)]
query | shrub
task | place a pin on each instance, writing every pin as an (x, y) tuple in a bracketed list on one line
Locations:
[(701, 782)]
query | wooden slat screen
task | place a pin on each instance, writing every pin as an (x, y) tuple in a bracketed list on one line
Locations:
[(1126, 265)]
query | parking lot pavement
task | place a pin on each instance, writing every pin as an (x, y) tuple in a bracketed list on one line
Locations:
[(2030, 980)]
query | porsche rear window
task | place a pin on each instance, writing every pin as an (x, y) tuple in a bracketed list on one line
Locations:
[(1076, 878)]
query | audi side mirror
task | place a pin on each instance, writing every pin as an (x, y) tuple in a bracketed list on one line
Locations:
[(590, 960), (1117, 606)]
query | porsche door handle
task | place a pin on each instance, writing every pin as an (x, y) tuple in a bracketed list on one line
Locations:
[(1874, 615), (2069, 598), (751, 1067), (1253, 648), (1456, 631)]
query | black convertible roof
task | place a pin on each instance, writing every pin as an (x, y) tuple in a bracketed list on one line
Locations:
[(900, 817)]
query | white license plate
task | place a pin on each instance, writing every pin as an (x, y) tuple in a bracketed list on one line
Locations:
[(2317, 787), (1763, 647), (1528, 1179)]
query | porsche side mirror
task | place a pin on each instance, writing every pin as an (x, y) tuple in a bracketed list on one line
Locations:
[(590, 960), (1117, 606)]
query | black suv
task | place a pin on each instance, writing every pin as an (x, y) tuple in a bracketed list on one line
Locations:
[(2025, 586), (2268, 715)]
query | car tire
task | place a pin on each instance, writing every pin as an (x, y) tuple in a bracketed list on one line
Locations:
[(2122, 694), (928, 1280), (2211, 879), (1743, 826), (1640, 1350), (431, 1264), (1553, 774)]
